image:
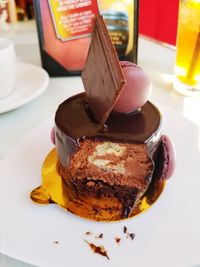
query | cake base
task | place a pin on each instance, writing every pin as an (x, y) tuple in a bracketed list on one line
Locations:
[(55, 190)]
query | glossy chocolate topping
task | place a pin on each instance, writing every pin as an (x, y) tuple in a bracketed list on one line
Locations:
[(74, 122)]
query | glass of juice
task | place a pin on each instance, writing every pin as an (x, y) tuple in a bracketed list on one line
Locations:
[(187, 66)]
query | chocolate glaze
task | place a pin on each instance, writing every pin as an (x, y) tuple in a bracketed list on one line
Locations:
[(74, 122)]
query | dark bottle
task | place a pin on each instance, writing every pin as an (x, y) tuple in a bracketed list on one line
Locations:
[(117, 24), (120, 27)]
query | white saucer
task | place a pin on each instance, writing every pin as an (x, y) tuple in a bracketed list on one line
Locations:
[(31, 82)]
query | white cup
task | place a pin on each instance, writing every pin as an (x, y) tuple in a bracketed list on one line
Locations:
[(7, 67)]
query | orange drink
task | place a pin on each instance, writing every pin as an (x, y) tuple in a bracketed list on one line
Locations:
[(187, 66)]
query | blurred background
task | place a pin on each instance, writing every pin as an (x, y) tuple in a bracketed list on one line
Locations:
[(157, 19)]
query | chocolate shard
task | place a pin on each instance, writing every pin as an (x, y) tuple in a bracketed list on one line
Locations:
[(102, 75)]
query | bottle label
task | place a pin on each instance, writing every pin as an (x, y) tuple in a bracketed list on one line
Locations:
[(73, 18)]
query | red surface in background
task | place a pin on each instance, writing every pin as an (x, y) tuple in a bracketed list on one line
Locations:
[(158, 19)]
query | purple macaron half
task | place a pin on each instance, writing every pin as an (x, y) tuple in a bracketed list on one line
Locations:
[(166, 159)]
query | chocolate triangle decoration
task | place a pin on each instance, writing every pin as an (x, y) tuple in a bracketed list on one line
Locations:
[(102, 76)]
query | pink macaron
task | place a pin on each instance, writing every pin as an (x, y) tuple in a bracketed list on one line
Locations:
[(167, 158), (136, 91)]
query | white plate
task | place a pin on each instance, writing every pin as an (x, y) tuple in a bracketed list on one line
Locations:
[(31, 82), (168, 234)]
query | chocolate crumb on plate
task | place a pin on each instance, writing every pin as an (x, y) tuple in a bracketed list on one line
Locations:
[(99, 236), (128, 235), (132, 236), (94, 235), (88, 233), (125, 229), (117, 240), (98, 249)]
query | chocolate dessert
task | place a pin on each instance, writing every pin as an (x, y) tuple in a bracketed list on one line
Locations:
[(111, 159), (107, 150), (115, 163)]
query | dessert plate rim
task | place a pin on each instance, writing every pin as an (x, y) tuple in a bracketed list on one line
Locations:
[(31, 82)]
